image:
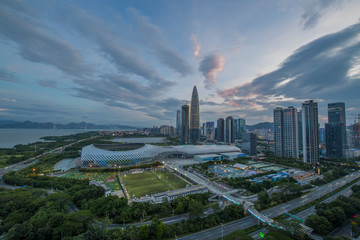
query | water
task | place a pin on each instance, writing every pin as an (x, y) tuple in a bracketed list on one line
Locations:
[(12, 137)]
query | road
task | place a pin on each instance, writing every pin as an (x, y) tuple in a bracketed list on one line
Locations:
[(215, 233), (23, 164), (304, 214)]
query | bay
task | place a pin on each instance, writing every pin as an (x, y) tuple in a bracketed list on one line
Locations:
[(11, 137)]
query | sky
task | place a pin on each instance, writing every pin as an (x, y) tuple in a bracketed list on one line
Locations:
[(136, 62)]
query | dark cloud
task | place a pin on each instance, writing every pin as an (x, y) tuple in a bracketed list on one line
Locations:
[(151, 36), (48, 83), (315, 10), (123, 92), (6, 75), (325, 69), (111, 43), (210, 103), (210, 67), (38, 46)]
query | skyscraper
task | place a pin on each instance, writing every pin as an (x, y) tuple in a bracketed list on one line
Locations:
[(184, 124), (310, 130), (209, 131), (229, 130), (239, 128), (220, 130), (178, 121), (286, 132), (194, 117), (300, 129), (335, 131)]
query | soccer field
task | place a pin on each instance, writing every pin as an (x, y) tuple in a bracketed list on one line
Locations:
[(108, 179), (140, 184)]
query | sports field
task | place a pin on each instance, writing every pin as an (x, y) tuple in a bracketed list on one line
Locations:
[(140, 184), (108, 179)]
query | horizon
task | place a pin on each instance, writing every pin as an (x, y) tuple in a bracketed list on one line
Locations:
[(136, 62)]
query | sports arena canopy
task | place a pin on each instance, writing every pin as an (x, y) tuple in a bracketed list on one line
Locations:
[(97, 157)]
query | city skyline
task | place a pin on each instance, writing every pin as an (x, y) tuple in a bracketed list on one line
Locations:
[(132, 63)]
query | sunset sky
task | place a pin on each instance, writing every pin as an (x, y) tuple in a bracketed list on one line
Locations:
[(136, 62)]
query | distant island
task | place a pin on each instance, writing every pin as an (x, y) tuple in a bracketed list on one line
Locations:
[(50, 125)]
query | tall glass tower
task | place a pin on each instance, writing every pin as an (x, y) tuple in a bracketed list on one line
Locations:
[(310, 130), (194, 117)]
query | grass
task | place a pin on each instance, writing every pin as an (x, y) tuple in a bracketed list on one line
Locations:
[(100, 177), (140, 184)]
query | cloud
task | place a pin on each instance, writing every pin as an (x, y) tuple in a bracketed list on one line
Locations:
[(111, 44), (210, 67), (323, 69), (196, 45), (152, 37), (48, 83), (38, 46), (3, 109), (124, 92), (9, 99), (6, 75), (315, 10)]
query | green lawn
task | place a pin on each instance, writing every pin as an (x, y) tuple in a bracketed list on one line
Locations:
[(140, 184), (99, 177)]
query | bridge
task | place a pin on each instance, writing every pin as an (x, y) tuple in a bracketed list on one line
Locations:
[(263, 218)]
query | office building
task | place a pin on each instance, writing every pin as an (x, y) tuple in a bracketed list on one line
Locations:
[(239, 128), (310, 132), (210, 131), (220, 129), (249, 144), (229, 130), (184, 124), (336, 131), (178, 121), (300, 130), (194, 117), (286, 132)]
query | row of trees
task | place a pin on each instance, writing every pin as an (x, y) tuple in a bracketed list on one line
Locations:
[(285, 193), (334, 214)]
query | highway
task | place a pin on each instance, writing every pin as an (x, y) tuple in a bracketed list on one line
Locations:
[(216, 232), (23, 164)]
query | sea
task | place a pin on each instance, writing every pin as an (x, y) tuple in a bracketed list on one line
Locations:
[(11, 137)]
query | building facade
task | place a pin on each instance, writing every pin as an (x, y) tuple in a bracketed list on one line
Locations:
[(184, 124), (310, 132), (335, 131), (178, 122), (210, 131), (194, 117), (239, 128), (220, 129), (286, 132), (229, 130)]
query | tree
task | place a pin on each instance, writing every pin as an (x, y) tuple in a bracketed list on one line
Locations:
[(144, 232), (196, 209), (160, 230), (277, 197), (179, 208), (319, 223), (264, 199)]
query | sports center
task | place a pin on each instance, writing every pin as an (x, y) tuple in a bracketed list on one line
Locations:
[(117, 155)]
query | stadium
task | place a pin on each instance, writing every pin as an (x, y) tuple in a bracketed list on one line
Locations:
[(110, 155)]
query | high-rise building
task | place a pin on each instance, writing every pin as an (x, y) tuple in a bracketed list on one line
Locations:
[(300, 130), (278, 131), (178, 121), (220, 129), (185, 124), (194, 117), (210, 131), (229, 130), (249, 143), (310, 132), (239, 128), (336, 131), (286, 132)]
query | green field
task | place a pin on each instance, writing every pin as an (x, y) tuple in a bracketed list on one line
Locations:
[(140, 184), (99, 177)]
